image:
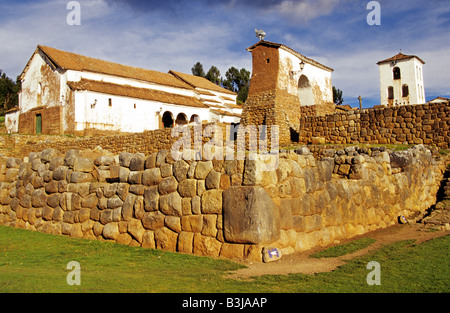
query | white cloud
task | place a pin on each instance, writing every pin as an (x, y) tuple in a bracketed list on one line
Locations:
[(305, 10)]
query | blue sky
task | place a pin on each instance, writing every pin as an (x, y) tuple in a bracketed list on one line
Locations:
[(175, 34)]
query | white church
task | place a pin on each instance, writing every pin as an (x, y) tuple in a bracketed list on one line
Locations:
[(64, 93), (401, 80)]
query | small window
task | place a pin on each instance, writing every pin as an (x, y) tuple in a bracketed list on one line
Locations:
[(110, 102), (267, 61), (390, 91), (396, 73), (405, 90)]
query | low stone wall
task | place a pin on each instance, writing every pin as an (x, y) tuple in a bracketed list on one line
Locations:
[(413, 124), (347, 193), (145, 142), (230, 208)]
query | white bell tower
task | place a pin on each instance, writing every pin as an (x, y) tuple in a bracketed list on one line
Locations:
[(401, 80)]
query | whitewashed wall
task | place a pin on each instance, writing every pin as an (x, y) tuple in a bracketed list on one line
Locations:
[(411, 72), (316, 76), (125, 114)]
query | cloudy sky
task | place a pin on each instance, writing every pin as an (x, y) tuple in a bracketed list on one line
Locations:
[(175, 34)]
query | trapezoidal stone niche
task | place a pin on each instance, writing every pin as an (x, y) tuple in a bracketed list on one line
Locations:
[(249, 215)]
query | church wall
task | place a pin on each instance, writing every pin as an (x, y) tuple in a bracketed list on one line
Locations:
[(40, 85), (319, 79), (125, 114)]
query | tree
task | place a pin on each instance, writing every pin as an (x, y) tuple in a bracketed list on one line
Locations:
[(213, 75), (197, 70), (8, 92), (337, 96), (237, 81)]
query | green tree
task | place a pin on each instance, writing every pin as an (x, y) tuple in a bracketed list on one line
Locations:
[(213, 75), (337, 96), (237, 81), (197, 70), (9, 89)]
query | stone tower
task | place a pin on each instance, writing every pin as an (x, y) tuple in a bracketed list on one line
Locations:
[(401, 80), (284, 86)]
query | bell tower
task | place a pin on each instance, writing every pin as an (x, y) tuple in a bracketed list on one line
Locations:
[(401, 80)]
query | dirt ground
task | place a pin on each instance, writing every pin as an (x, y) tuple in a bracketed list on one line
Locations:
[(302, 263)]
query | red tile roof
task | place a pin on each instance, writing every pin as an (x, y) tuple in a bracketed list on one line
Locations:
[(72, 61), (200, 82), (400, 56), (134, 92)]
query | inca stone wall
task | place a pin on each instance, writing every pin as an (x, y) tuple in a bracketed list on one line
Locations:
[(413, 124), (216, 208)]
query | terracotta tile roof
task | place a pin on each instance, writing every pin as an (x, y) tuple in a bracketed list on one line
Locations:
[(286, 48), (400, 56), (72, 61), (200, 82), (134, 92)]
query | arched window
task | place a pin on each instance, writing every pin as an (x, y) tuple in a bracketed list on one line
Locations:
[(396, 73), (305, 94), (167, 119), (194, 119), (405, 90), (181, 119), (390, 92)]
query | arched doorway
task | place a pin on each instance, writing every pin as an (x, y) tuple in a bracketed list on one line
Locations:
[(167, 119), (194, 119), (305, 94), (181, 119)]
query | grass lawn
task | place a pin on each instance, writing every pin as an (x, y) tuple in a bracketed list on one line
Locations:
[(344, 249), (36, 262)]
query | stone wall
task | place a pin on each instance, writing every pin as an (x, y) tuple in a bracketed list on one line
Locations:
[(412, 124), (145, 142), (50, 117), (348, 192), (216, 208), (151, 201)]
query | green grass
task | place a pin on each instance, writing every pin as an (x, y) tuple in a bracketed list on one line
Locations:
[(36, 262), (344, 249)]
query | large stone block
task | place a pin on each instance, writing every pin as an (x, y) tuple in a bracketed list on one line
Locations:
[(151, 199), (171, 204), (168, 185), (212, 201), (83, 165), (153, 220), (166, 239), (208, 246), (249, 215), (111, 231)]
